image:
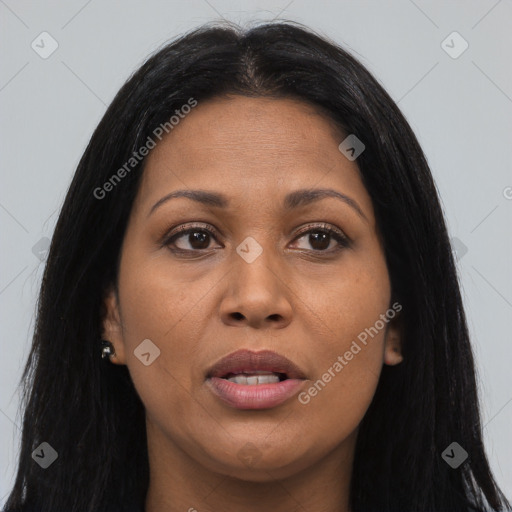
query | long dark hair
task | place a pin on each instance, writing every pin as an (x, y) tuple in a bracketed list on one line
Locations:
[(88, 409)]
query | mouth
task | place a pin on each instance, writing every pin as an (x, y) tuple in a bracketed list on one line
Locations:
[(262, 365), (255, 380)]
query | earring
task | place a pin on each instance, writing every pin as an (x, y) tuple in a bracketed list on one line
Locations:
[(107, 349)]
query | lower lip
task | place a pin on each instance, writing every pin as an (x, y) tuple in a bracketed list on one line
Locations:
[(258, 396)]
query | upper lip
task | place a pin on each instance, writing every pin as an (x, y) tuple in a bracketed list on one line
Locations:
[(245, 361)]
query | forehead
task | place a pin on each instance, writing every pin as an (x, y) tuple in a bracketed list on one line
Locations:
[(257, 147)]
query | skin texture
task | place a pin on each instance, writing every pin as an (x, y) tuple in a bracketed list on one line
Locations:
[(300, 298)]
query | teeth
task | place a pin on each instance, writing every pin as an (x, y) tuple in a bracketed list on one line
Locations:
[(255, 378)]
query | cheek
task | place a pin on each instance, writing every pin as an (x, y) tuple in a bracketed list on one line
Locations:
[(346, 375), (350, 315), (159, 299), (337, 398), (159, 304)]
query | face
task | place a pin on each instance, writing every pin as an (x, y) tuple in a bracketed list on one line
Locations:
[(273, 269)]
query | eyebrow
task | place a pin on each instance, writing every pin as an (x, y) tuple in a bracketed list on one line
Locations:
[(293, 200)]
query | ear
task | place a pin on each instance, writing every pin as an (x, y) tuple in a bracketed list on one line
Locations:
[(393, 341), (111, 325)]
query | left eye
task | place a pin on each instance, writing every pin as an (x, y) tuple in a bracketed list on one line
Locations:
[(321, 238)]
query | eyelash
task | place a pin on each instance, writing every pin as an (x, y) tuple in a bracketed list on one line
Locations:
[(343, 241)]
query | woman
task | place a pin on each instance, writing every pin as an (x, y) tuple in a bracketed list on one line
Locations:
[(254, 234)]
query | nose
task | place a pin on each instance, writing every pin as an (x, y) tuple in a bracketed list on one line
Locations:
[(256, 295)]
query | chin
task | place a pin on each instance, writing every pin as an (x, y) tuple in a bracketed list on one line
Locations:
[(259, 464)]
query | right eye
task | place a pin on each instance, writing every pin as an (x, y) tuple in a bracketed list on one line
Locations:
[(190, 238)]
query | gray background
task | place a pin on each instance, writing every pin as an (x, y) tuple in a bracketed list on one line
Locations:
[(460, 109)]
